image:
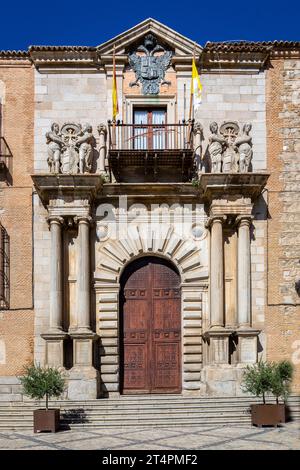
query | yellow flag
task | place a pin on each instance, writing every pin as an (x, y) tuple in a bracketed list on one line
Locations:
[(115, 105), (196, 86)]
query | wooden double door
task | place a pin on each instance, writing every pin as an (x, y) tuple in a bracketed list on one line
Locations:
[(150, 328)]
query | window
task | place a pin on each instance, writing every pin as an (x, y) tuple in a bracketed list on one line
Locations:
[(149, 128), (4, 268)]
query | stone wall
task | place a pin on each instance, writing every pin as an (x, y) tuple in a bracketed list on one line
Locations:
[(283, 237), (229, 97), (16, 324), (67, 97)]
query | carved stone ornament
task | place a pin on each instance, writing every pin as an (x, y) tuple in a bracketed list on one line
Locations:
[(230, 152), (70, 149), (150, 65)]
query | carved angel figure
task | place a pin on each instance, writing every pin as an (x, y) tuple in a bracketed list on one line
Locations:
[(55, 146), (150, 68), (216, 146), (85, 144), (244, 145)]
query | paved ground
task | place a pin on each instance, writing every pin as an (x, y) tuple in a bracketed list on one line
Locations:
[(204, 437)]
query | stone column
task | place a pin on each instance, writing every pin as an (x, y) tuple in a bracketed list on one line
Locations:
[(244, 271), (55, 335), (83, 275), (83, 377), (247, 336), (102, 149), (56, 274), (216, 272), (217, 335)]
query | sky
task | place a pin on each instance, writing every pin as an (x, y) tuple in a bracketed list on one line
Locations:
[(60, 22)]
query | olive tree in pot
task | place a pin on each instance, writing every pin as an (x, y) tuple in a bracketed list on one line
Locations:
[(43, 382), (268, 378)]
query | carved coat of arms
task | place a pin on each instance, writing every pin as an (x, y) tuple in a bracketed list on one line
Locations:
[(150, 68)]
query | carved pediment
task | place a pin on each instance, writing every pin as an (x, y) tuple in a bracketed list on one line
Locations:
[(165, 35)]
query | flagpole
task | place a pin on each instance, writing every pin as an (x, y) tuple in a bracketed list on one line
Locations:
[(114, 85), (191, 101)]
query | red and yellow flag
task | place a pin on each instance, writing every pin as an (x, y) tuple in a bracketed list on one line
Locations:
[(115, 105)]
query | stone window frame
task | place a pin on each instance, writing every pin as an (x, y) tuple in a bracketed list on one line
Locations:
[(169, 101)]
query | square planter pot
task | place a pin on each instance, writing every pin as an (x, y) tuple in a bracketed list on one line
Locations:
[(267, 415), (46, 420)]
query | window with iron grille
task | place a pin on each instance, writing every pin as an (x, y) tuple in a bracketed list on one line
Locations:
[(4, 268)]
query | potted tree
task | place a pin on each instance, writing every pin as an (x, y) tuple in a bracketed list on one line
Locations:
[(39, 382), (268, 378)]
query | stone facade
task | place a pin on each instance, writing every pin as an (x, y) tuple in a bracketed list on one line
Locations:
[(228, 235)]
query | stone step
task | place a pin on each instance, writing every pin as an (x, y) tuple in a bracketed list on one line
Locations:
[(140, 401)]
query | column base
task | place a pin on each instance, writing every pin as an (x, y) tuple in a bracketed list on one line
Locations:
[(83, 377), (54, 356), (247, 345), (218, 343)]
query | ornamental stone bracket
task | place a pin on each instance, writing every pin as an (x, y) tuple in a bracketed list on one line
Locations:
[(231, 185), (68, 195)]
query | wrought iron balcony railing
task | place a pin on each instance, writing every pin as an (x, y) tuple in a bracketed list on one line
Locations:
[(150, 136), (150, 152)]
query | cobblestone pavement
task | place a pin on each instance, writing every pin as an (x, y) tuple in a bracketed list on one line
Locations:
[(286, 437)]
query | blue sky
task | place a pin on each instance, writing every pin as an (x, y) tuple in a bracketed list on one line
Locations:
[(61, 22)]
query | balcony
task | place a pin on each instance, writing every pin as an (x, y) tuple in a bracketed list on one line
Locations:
[(5, 162), (150, 152)]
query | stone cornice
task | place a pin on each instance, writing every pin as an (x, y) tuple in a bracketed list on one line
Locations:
[(67, 188), (214, 185)]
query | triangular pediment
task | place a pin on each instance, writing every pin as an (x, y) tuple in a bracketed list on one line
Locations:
[(179, 43)]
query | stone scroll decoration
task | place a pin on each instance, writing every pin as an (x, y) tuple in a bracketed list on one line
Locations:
[(229, 151), (70, 148), (150, 62)]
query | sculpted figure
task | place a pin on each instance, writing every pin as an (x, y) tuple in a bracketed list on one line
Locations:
[(244, 146), (85, 149), (55, 145), (216, 145)]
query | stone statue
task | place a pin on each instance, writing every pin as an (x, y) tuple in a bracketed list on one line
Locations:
[(229, 130), (244, 146), (215, 148), (70, 158), (55, 146), (85, 145)]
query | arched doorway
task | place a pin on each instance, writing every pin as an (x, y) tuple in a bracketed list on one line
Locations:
[(150, 327)]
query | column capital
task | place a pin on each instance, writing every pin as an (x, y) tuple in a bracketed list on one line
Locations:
[(55, 219), (83, 219), (215, 218), (244, 220)]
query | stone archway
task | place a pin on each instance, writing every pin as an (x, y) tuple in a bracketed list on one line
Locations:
[(112, 258)]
